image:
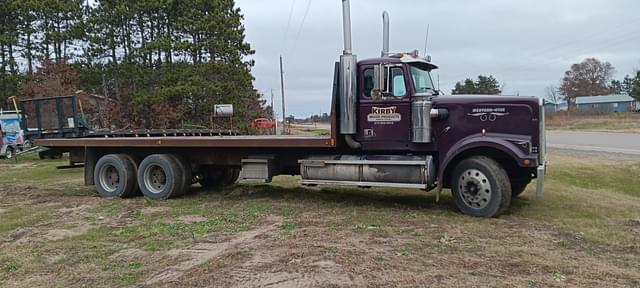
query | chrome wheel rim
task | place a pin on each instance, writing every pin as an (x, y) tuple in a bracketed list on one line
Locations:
[(475, 188), (109, 178), (155, 179)]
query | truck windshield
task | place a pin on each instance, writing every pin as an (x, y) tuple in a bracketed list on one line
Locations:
[(422, 80)]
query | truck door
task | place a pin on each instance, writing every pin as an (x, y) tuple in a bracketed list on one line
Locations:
[(384, 112)]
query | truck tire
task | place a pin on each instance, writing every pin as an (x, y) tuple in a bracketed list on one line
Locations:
[(187, 175), (481, 187), (42, 155), (211, 177), (55, 154), (115, 176), (517, 187), (161, 177), (219, 177), (231, 176)]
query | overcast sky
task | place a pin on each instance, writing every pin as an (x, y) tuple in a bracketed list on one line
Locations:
[(527, 45)]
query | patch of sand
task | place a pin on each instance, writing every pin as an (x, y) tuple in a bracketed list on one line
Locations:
[(153, 210), (201, 253), (57, 234)]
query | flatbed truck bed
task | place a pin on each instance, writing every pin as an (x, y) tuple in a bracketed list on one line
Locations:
[(287, 141)]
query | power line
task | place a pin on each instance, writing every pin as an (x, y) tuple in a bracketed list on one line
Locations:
[(605, 43), (304, 18), (286, 32), (573, 42), (613, 43)]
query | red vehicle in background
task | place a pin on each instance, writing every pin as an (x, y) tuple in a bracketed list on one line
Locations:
[(263, 123)]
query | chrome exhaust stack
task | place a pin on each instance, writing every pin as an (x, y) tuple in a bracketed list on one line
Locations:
[(346, 27), (385, 34), (348, 87)]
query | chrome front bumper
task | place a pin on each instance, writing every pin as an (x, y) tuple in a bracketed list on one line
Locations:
[(541, 171)]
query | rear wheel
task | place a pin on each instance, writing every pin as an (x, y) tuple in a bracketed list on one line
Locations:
[(185, 167), (55, 154), (161, 176), (218, 177), (48, 154), (210, 177), (231, 176), (481, 187), (43, 155), (115, 176)]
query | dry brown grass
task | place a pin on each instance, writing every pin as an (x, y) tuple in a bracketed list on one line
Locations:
[(618, 122), (584, 232)]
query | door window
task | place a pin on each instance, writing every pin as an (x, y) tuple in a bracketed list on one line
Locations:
[(368, 82), (394, 87), (398, 88)]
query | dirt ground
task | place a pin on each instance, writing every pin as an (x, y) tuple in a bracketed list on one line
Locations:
[(584, 232)]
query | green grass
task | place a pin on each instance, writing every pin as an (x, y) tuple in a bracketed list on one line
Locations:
[(620, 179), (317, 131), (38, 172), (9, 267), (592, 200), (20, 217)]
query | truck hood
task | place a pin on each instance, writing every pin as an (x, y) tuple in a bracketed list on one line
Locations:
[(472, 99)]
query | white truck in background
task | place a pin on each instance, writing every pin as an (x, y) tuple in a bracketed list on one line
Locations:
[(12, 139)]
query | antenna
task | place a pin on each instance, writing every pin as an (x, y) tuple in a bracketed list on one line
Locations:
[(426, 41)]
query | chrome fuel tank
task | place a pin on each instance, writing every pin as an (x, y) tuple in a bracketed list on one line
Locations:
[(421, 121), (370, 170)]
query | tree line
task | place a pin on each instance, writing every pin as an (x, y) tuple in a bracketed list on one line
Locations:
[(593, 77), (485, 85), (590, 77), (165, 63)]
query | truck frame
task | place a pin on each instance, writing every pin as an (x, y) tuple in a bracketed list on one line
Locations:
[(389, 128)]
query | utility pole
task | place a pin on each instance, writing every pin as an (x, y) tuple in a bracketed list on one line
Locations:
[(284, 115), (273, 115)]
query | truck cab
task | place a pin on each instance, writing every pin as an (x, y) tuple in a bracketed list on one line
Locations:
[(401, 132)]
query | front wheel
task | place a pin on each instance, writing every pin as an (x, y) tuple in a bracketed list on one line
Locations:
[(481, 187)]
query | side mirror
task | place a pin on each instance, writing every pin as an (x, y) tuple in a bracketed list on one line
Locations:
[(378, 81)]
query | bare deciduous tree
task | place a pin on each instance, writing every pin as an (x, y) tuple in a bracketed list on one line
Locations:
[(588, 78), (552, 94)]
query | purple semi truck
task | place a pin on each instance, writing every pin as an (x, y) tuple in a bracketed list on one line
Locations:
[(390, 128)]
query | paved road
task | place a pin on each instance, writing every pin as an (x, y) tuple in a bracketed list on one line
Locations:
[(621, 143)]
